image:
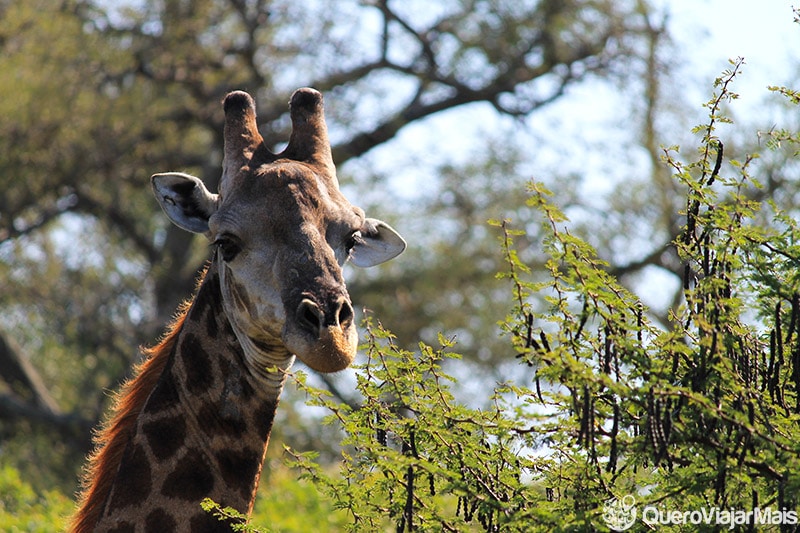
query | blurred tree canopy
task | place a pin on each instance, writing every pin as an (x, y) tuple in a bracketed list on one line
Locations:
[(99, 95)]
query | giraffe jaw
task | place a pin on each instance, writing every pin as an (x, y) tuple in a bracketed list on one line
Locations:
[(268, 361)]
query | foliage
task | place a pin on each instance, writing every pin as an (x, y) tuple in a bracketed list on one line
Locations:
[(23, 510), (699, 416), (419, 458)]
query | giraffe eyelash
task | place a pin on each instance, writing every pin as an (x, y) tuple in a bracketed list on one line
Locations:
[(228, 246)]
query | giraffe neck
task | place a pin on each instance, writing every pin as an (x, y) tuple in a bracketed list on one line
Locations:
[(202, 431)]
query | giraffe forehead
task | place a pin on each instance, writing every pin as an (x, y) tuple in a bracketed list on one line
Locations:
[(270, 179), (285, 200)]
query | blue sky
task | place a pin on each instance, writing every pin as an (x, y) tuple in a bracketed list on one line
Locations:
[(763, 32), (706, 33)]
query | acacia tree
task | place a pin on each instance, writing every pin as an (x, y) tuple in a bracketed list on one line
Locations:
[(100, 96)]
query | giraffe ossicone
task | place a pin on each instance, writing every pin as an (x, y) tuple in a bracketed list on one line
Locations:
[(195, 420)]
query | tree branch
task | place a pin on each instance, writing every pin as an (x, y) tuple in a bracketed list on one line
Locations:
[(119, 220), (28, 399), (22, 378), (654, 258), (71, 427), (45, 215)]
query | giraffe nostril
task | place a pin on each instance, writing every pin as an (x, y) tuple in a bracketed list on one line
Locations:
[(309, 316), (313, 318), (345, 314)]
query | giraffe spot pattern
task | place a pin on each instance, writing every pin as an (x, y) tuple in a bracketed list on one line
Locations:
[(236, 466), (197, 365), (191, 479), (212, 328), (159, 521), (210, 300), (135, 470), (217, 425), (208, 523), (207, 307), (164, 396), (215, 296), (165, 436), (264, 416), (124, 527)]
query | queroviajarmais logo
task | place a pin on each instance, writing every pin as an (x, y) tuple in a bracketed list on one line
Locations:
[(620, 514)]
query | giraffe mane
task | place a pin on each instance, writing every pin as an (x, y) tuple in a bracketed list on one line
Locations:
[(112, 438)]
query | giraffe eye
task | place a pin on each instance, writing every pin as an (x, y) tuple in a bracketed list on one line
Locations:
[(228, 246)]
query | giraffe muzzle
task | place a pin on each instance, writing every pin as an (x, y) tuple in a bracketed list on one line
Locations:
[(323, 334)]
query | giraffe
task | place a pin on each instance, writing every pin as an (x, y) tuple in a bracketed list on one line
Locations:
[(195, 420)]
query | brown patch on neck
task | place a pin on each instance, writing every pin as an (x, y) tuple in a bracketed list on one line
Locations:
[(112, 438)]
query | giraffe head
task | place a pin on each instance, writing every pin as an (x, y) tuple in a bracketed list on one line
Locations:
[(282, 231)]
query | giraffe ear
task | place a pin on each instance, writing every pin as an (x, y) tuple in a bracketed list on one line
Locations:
[(377, 243), (185, 200)]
